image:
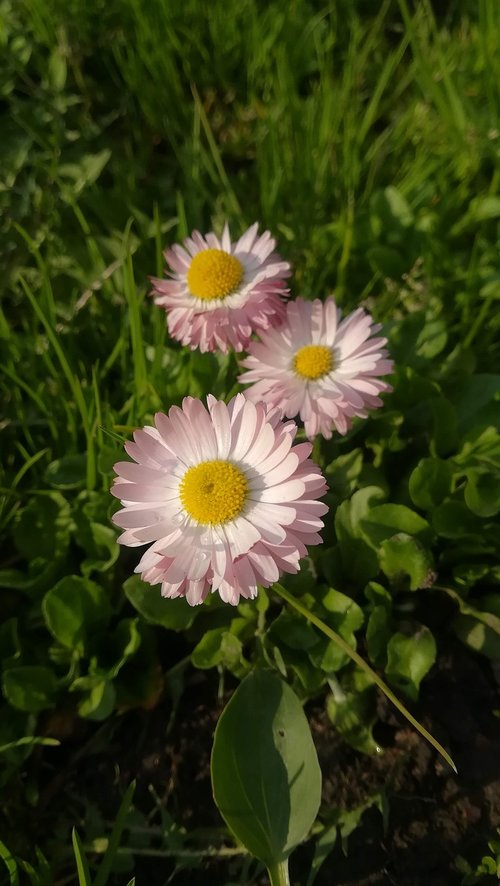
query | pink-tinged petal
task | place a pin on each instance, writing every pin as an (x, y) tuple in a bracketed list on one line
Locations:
[(229, 321), (280, 516), (222, 428), (331, 401)]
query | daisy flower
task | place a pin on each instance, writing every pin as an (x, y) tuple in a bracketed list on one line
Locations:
[(317, 366), (224, 499), (220, 292)]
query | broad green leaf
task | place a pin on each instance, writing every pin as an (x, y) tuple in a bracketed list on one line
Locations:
[(482, 492), (432, 339), (30, 687), (177, 615), (41, 529), (430, 482), (387, 261), (406, 562), (478, 628), (352, 708), (10, 647), (453, 519), (74, 609), (477, 392), (478, 636), (359, 561), (293, 632), (218, 647), (378, 634), (409, 658), (67, 472), (444, 432), (123, 644), (265, 774), (99, 700), (343, 473), (345, 617), (383, 521)]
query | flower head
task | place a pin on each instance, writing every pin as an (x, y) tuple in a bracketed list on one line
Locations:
[(222, 496), (318, 367), (220, 292)]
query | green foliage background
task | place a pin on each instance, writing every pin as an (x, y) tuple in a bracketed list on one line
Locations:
[(365, 136)]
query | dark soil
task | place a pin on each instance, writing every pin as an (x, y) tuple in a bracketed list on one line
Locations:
[(431, 815)]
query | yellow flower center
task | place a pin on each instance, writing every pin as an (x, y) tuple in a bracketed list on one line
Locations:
[(214, 273), (313, 361), (213, 492)]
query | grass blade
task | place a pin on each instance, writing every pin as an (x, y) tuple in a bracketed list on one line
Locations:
[(81, 861), (114, 840)]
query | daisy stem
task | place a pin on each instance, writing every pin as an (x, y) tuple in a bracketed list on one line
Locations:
[(341, 643), (278, 874)]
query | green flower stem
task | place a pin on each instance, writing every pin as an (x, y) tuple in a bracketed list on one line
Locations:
[(278, 874), (341, 643)]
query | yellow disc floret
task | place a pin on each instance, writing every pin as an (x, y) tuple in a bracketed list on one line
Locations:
[(313, 361), (213, 492), (214, 273)]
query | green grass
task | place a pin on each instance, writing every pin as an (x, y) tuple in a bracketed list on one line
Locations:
[(365, 136)]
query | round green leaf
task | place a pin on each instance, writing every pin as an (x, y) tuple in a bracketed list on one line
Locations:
[(67, 472), (175, 614), (73, 609), (265, 773), (382, 521), (30, 688), (430, 482), (406, 562), (409, 658), (482, 492)]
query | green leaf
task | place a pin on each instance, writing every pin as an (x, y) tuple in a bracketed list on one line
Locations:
[(82, 866), (384, 521), (452, 519), (218, 647), (476, 393), (10, 863), (478, 635), (359, 561), (352, 709), (41, 529), (406, 562), (432, 339), (345, 617), (482, 492), (387, 261), (30, 687), (484, 208), (430, 482), (409, 658), (74, 609), (343, 473), (293, 632), (99, 701), (177, 614), (378, 634), (265, 774), (68, 472), (57, 69)]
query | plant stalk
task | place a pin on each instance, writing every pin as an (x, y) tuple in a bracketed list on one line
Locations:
[(278, 874)]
